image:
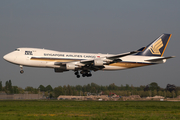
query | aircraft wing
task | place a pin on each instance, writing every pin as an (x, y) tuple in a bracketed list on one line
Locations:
[(91, 61), (60, 63), (112, 57), (87, 61), (121, 55), (125, 54)]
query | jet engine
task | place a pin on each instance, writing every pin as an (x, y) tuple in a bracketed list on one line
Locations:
[(98, 62), (71, 66)]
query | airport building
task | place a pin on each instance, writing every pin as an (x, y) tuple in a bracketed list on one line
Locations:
[(4, 96)]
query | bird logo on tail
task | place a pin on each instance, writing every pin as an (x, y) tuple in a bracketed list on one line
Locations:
[(155, 48)]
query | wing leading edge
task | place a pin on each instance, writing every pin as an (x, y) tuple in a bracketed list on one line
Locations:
[(112, 57)]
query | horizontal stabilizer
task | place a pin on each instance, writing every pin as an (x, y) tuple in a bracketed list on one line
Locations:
[(159, 59)]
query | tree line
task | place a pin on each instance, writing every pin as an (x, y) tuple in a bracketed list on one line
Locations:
[(150, 90)]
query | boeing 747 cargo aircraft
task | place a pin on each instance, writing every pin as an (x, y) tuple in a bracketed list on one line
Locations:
[(84, 63)]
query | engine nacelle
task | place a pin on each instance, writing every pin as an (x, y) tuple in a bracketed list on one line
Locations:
[(98, 62), (71, 66)]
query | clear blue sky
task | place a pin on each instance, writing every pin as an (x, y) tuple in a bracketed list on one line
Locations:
[(93, 26)]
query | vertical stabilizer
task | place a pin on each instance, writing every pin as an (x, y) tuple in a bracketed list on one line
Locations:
[(157, 47)]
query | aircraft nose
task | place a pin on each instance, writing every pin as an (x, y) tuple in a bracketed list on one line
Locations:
[(7, 57)]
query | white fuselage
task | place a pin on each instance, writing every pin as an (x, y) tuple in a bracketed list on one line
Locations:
[(84, 63), (35, 57)]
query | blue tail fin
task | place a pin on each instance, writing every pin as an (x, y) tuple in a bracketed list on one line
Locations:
[(157, 47)]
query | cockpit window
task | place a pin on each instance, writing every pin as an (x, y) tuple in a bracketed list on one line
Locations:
[(17, 49)]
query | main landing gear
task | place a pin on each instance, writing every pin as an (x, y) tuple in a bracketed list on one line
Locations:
[(21, 69), (77, 74), (84, 74)]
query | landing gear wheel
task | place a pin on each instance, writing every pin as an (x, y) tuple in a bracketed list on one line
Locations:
[(86, 73), (89, 75), (76, 73), (78, 76), (22, 71)]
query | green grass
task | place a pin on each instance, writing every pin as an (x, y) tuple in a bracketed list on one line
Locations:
[(89, 110)]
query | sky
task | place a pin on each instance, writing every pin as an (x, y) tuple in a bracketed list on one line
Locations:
[(92, 26)]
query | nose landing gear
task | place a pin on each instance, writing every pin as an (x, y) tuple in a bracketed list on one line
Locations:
[(21, 69)]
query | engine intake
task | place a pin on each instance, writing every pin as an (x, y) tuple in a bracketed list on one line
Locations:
[(98, 62), (71, 66)]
